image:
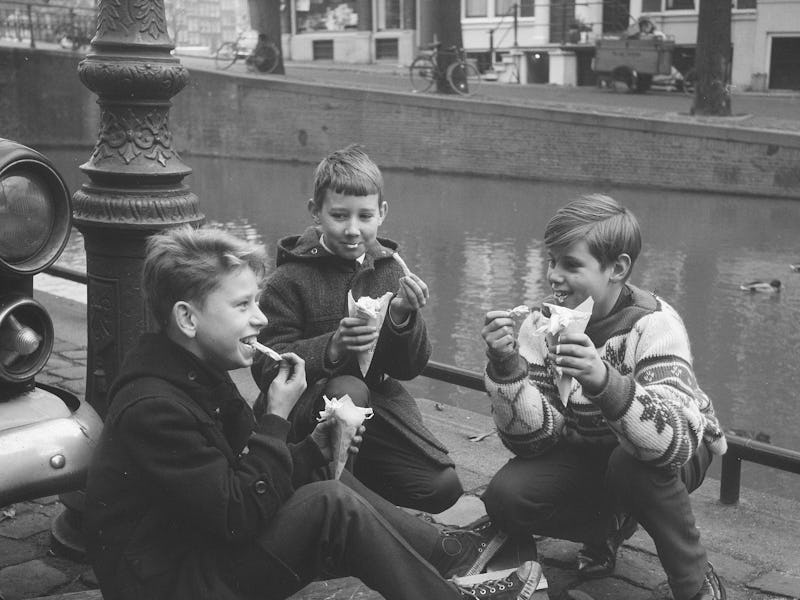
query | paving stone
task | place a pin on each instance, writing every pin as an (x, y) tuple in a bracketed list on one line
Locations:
[(25, 525), (613, 589), (13, 552), (32, 578), (779, 583), (639, 568), (466, 510), (561, 552), (346, 588)]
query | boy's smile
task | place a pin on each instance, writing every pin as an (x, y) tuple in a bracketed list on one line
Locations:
[(349, 223), (575, 274)]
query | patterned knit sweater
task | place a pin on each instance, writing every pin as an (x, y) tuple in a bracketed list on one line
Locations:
[(651, 404)]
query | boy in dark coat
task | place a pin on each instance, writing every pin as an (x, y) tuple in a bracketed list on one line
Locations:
[(306, 302), (191, 495)]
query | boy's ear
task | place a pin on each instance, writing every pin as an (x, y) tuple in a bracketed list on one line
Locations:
[(312, 208), (383, 208), (621, 268), (183, 315)]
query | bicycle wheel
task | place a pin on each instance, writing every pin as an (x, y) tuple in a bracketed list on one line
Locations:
[(423, 74), (464, 78), (267, 57), (225, 55)]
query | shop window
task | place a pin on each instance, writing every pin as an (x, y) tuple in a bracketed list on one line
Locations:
[(325, 15), (386, 48), (322, 49), (475, 8), (680, 4), (506, 7)]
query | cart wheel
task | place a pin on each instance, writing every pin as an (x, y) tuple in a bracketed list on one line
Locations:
[(643, 83), (624, 75)]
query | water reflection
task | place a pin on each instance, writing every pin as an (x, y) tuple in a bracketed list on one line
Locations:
[(478, 245)]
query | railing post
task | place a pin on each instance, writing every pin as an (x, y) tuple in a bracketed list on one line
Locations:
[(730, 478)]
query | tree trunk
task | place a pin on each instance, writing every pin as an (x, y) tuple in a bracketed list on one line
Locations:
[(712, 62), (446, 29), (265, 17)]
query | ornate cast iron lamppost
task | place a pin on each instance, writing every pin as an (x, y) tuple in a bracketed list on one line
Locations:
[(135, 186), (135, 189)]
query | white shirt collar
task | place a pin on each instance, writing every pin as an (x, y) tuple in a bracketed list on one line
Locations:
[(360, 259)]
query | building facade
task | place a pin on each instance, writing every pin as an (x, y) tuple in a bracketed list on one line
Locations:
[(527, 41)]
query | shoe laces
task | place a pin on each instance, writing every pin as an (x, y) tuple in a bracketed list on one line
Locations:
[(487, 589), (714, 584)]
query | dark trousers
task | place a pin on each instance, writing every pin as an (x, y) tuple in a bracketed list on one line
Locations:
[(338, 528), (387, 463), (570, 493)]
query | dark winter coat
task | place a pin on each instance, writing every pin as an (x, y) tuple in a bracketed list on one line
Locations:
[(304, 300), (184, 478)]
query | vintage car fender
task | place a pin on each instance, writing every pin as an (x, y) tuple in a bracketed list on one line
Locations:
[(47, 437)]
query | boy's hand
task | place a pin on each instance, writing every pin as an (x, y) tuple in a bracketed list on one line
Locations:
[(352, 335), (577, 357), (498, 333), (411, 296), (287, 387), (322, 438)]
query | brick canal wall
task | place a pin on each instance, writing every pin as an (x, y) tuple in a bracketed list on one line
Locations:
[(44, 104)]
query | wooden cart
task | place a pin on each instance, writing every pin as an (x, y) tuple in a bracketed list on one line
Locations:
[(632, 61)]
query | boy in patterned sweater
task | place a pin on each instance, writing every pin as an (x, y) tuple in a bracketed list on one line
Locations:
[(635, 434)]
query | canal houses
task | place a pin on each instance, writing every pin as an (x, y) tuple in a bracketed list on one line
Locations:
[(524, 41)]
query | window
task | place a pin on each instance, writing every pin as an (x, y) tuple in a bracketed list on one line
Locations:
[(325, 15), (651, 5), (743, 4), (680, 5), (506, 7), (475, 8)]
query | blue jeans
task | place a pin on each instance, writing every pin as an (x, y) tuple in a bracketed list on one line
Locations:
[(571, 493)]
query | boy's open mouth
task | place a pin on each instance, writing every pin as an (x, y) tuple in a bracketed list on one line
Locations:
[(560, 296)]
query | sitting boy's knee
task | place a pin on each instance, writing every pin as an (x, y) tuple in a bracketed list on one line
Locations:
[(445, 490), (350, 385)]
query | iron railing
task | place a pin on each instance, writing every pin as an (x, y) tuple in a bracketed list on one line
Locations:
[(739, 448), (31, 22)]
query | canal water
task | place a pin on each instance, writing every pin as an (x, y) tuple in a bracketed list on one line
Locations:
[(478, 245)]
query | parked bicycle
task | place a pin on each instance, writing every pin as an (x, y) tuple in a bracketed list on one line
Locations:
[(263, 57), (461, 75)]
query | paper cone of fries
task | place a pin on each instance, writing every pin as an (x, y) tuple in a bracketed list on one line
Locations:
[(374, 311), (566, 320), (347, 418)]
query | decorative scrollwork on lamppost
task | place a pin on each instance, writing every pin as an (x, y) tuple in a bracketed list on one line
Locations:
[(135, 185)]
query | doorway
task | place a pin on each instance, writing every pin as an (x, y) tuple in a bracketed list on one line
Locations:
[(784, 70)]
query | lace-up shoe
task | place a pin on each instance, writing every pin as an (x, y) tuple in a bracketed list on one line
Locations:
[(466, 552), (712, 588), (513, 584)]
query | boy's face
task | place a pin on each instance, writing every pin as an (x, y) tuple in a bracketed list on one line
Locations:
[(228, 318), (575, 274), (349, 223)]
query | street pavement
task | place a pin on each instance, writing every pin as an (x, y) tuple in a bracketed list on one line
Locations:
[(753, 545), (774, 110)]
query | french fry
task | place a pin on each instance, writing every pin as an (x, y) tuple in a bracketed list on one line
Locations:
[(266, 350), (402, 263)]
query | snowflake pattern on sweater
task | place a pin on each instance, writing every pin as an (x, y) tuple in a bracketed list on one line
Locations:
[(651, 405)]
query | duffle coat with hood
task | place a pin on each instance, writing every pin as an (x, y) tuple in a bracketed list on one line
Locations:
[(184, 478), (304, 300)]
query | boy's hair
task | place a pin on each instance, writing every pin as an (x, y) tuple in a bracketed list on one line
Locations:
[(347, 171), (609, 228), (188, 264)]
